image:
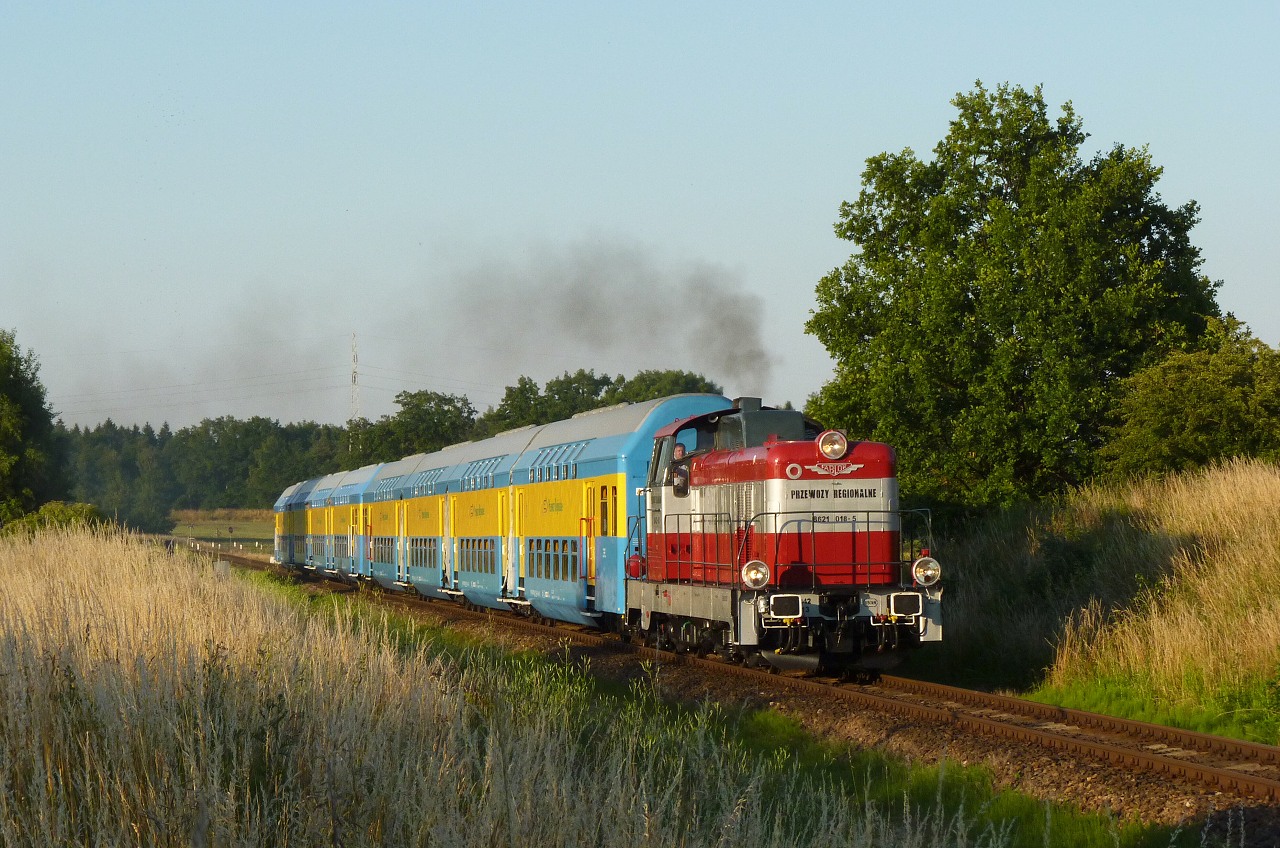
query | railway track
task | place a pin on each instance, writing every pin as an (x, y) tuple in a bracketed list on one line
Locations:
[(1230, 766)]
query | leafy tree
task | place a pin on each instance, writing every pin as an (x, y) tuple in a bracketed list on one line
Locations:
[(124, 473), (56, 514), (367, 442), (648, 385), (1194, 407), (1000, 294), (288, 454), (567, 395), (324, 452), (29, 461), (521, 404), (564, 397), (428, 421), (140, 475), (212, 460)]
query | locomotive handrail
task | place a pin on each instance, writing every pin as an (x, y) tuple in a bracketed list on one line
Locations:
[(813, 542), (810, 517), (778, 523), (637, 537)]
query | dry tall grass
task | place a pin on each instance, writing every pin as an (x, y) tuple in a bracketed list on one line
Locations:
[(1164, 588), (151, 700), (1212, 620)]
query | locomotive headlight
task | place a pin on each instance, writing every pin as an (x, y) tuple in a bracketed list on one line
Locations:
[(755, 574), (926, 571), (833, 444)]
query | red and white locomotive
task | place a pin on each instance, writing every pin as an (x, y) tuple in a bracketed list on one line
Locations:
[(767, 538)]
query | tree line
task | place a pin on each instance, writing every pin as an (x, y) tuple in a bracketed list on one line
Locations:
[(139, 475), (1017, 320)]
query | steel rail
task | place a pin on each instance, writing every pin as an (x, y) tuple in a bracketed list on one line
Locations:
[(1220, 745), (1226, 780)]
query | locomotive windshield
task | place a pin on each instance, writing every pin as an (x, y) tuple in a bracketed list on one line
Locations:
[(747, 427), (753, 429)]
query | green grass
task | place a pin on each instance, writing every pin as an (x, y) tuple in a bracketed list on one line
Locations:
[(954, 804), (966, 793), (149, 698), (1252, 713), (1150, 599), (236, 531), (249, 537)]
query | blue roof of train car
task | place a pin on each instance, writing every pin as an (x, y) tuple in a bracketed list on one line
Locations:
[(598, 439), (592, 441), (389, 481), (283, 500), (323, 488), (354, 484), (297, 494)]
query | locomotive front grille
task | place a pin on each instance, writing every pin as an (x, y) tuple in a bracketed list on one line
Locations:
[(906, 603)]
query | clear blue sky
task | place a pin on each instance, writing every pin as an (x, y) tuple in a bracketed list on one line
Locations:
[(200, 205)]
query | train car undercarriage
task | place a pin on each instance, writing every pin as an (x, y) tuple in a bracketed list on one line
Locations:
[(836, 632)]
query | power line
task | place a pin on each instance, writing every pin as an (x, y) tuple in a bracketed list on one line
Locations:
[(274, 378)]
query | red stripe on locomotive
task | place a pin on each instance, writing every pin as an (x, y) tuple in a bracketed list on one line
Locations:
[(818, 522)]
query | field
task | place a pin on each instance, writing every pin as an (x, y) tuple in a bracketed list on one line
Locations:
[(252, 530), (150, 699)]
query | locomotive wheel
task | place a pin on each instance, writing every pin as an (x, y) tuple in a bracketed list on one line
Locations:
[(665, 642)]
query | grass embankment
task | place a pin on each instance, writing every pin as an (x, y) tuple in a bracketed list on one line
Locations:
[(1153, 600), (151, 700)]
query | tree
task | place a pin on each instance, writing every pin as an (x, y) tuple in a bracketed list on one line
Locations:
[(1000, 295), (123, 472), (521, 404), (211, 461), (367, 442), (428, 421), (566, 396), (29, 461), (1195, 407), (154, 488), (648, 385), (291, 453), (56, 515)]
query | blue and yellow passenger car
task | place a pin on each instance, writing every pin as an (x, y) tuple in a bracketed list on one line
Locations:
[(539, 519)]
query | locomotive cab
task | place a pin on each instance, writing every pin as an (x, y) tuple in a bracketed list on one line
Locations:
[(769, 538)]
